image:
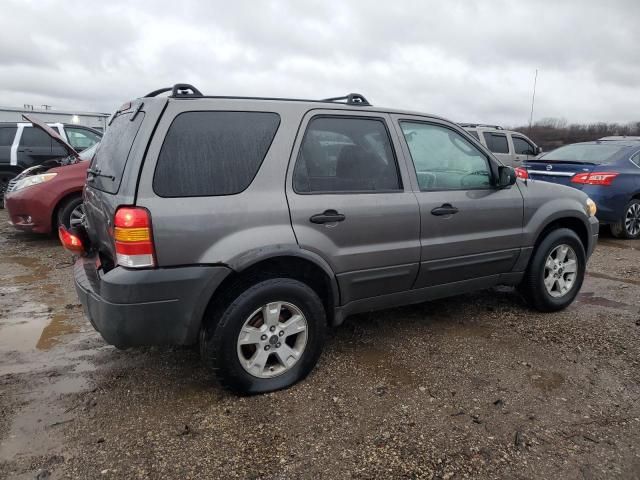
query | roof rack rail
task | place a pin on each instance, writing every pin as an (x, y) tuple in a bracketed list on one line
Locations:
[(473, 125), (351, 99), (179, 90)]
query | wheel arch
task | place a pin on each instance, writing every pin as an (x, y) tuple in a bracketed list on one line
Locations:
[(573, 223), (64, 198), (279, 261)]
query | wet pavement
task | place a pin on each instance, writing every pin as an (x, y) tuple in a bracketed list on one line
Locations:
[(477, 386)]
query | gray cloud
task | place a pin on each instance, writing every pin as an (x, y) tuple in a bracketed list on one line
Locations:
[(469, 61)]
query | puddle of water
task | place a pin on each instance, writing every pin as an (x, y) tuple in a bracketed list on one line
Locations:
[(590, 299), (31, 326), (630, 281)]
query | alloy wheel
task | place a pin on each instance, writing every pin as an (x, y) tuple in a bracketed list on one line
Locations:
[(77, 216), (632, 220), (272, 339), (560, 270)]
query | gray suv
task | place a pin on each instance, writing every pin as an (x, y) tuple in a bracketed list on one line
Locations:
[(250, 225)]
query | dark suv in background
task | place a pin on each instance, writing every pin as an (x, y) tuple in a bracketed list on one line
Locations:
[(252, 224), (23, 146)]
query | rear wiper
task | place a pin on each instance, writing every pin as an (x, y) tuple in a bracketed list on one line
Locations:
[(96, 172)]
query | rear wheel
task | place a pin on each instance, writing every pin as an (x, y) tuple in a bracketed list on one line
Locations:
[(556, 271), (629, 224), (267, 338), (71, 212)]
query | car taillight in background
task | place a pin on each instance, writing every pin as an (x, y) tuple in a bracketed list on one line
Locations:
[(594, 178), (521, 173), (70, 240), (133, 238)]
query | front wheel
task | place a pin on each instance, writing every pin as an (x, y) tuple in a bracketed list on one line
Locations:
[(268, 338), (629, 224), (556, 271), (71, 212)]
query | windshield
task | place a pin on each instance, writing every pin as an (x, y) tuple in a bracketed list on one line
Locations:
[(88, 153), (583, 152)]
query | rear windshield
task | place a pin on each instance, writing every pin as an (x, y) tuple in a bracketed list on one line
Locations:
[(586, 153), (111, 156), (213, 153)]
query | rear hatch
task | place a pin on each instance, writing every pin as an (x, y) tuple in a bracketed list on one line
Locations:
[(113, 172), (560, 165)]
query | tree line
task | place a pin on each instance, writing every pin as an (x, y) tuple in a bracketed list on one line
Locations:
[(550, 133)]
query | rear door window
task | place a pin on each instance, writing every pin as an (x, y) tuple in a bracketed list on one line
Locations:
[(34, 138), (113, 152), (213, 153), (346, 154), (497, 142)]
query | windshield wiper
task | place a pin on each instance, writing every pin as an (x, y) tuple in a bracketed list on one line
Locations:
[(96, 172)]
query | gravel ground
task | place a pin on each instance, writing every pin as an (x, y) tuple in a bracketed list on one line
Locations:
[(477, 386)]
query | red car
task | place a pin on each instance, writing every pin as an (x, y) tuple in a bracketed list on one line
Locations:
[(45, 196)]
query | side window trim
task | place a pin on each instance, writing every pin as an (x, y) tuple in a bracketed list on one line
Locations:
[(385, 122), (635, 159), (411, 163)]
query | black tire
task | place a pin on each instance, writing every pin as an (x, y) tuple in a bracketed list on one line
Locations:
[(533, 287), (619, 229), (66, 209), (219, 336)]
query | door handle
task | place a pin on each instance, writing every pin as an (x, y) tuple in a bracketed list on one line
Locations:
[(328, 216), (445, 209)]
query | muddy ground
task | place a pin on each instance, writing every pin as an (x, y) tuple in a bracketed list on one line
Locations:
[(477, 386)]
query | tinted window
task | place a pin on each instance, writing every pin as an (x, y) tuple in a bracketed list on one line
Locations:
[(584, 152), (213, 153), (115, 146), (444, 159), (80, 138), (341, 154), (34, 137), (7, 135), (497, 143), (522, 147)]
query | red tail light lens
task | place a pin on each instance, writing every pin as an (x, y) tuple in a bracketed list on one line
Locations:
[(133, 237), (594, 178), (70, 241), (521, 173)]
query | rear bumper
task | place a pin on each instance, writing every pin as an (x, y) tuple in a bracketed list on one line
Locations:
[(146, 307)]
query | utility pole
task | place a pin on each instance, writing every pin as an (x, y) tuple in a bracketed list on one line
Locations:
[(533, 99)]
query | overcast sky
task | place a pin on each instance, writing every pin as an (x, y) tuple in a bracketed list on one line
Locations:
[(468, 61)]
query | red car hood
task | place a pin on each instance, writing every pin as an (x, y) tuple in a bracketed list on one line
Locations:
[(51, 132)]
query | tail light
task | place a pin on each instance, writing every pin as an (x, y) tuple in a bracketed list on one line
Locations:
[(521, 173), (70, 241), (594, 178), (133, 237)]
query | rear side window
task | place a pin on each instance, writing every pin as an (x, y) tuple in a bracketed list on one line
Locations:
[(213, 153), (80, 138), (636, 159), (111, 156), (34, 137), (346, 154), (522, 147), (496, 142), (7, 134)]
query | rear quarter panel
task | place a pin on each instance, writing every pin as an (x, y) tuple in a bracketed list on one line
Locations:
[(219, 229)]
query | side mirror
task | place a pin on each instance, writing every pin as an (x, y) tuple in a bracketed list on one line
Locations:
[(506, 176), (538, 150)]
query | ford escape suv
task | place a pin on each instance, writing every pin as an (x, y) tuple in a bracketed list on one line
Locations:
[(250, 225)]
